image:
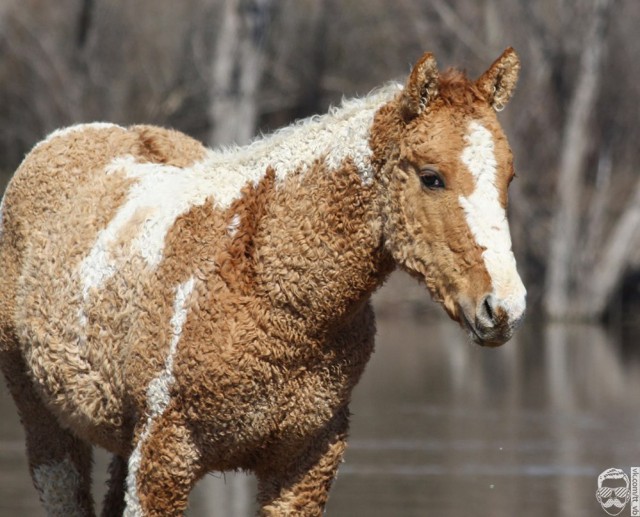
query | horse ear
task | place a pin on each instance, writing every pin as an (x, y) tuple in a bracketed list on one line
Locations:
[(499, 82), (421, 87)]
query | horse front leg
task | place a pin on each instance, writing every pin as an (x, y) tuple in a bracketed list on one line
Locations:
[(301, 486), (162, 469)]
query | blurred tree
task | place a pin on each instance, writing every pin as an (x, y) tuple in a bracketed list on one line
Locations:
[(564, 259), (238, 61), (84, 21)]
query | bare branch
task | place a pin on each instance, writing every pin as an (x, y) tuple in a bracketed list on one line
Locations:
[(237, 71), (591, 245), (475, 45)]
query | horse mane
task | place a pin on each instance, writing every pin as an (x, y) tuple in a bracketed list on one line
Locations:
[(456, 89)]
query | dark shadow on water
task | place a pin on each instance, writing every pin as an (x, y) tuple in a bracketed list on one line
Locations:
[(443, 427)]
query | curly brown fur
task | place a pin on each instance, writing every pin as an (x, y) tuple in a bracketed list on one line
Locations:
[(191, 310)]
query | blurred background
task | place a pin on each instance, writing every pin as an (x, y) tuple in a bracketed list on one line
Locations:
[(439, 427)]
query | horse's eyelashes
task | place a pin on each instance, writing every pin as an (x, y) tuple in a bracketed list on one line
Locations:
[(431, 179)]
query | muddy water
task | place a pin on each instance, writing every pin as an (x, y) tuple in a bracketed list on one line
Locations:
[(444, 428)]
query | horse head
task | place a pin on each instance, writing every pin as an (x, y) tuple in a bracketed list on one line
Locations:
[(445, 167)]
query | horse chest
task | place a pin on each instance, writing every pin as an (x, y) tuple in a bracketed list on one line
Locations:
[(248, 396)]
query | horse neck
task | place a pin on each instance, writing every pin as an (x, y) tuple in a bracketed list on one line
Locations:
[(309, 213), (318, 247), (342, 133)]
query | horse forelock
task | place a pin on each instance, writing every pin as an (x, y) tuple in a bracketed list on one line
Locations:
[(456, 89)]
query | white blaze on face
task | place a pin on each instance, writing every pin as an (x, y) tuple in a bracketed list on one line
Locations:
[(488, 223)]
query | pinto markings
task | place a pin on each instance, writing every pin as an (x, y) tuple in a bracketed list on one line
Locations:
[(166, 192), (161, 194), (158, 396), (487, 220)]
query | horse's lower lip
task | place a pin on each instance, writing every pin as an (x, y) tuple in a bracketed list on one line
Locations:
[(471, 329), (477, 338)]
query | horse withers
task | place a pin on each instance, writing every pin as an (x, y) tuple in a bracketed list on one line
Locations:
[(193, 310)]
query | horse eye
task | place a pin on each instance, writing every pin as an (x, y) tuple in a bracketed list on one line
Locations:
[(431, 179)]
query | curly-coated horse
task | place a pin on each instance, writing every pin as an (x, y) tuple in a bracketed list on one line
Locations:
[(194, 310)]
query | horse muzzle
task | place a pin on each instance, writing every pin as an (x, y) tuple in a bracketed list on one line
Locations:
[(491, 321)]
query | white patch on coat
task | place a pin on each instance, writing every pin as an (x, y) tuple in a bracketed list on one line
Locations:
[(65, 131), (59, 486), (341, 133), (487, 220), (166, 192), (158, 395), (158, 390), (232, 229)]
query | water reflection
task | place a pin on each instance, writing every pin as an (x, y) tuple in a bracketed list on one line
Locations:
[(443, 427)]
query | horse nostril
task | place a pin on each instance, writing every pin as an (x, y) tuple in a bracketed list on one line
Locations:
[(495, 318), (486, 315), (488, 310)]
